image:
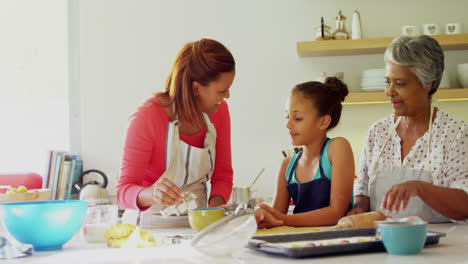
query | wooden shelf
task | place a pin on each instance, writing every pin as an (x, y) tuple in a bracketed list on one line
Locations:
[(320, 48), (442, 95)]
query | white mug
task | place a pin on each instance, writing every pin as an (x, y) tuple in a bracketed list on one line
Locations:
[(431, 29), (453, 28), (409, 30)]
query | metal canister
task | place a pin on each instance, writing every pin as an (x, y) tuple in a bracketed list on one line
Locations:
[(240, 195)]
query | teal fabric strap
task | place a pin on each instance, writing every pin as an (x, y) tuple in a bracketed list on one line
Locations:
[(290, 167), (326, 165)]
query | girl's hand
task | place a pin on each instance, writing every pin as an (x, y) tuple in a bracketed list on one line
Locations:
[(267, 217), (398, 195), (165, 192)]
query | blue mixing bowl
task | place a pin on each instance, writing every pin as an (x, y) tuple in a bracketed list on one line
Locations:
[(403, 238), (47, 225)]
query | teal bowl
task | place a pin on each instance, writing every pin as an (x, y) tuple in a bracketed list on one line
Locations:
[(403, 238), (47, 225)]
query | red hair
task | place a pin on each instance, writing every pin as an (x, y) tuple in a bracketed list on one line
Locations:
[(202, 61)]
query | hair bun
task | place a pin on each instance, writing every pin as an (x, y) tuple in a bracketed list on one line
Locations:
[(337, 86)]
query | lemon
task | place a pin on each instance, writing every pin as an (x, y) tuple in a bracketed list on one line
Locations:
[(12, 190), (22, 189)]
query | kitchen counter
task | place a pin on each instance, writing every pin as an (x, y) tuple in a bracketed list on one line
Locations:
[(451, 249)]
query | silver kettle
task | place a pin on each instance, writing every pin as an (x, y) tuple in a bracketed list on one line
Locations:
[(93, 192)]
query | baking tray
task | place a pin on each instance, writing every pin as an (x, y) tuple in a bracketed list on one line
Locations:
[(267, 244)]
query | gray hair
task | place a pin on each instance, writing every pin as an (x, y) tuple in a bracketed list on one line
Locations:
[(424, 57)]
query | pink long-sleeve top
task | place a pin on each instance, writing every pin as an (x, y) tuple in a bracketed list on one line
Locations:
[(143, 160)]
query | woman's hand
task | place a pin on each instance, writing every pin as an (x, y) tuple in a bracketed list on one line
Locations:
[(163, 192), (398, 195), (355, 211), (361, 205), (218, 201), (267, 217)]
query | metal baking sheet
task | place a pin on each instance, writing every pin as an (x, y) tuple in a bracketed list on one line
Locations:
[(267, 243)]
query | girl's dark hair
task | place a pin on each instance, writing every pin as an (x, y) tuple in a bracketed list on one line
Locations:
[(326, 96)]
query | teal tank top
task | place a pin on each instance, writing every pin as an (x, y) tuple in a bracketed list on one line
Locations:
[(326, 165)]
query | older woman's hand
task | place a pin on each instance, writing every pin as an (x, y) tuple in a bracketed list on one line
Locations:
[(355, 211), (398, 195), (267, 217)]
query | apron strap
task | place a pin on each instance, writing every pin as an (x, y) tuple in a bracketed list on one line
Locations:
[(429, 141), (393, 132), (293, 168), (322, 173), (390, 135)]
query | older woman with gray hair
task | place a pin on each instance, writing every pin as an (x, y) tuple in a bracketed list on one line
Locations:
[(414, 161)]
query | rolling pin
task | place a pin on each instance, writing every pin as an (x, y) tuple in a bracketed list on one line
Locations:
[(359, 220)]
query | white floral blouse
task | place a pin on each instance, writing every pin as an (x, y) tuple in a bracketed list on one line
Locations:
[(448, 158)]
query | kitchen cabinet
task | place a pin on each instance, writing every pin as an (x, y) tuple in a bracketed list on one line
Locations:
[(377, 46)]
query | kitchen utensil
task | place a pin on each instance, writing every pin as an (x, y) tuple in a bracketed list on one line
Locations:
[(199, 218), (47, 225), (93, 192), (403, 238), (256, 178), (227, 235), (98, 219), (240, 195), (243, 195), (322, 33)]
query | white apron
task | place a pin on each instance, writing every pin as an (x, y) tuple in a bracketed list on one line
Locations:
[(385, 176), (187, 167)]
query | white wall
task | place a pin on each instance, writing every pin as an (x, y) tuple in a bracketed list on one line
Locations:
[(33, 83), (127, 47)]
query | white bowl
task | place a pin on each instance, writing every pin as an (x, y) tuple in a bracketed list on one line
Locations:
[(462, 74)]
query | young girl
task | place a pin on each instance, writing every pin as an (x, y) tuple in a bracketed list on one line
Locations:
[(319, 179)]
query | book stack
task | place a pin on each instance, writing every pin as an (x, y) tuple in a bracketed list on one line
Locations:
[(63, 170)]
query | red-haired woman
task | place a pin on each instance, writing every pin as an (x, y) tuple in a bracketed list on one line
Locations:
[(180, 138)]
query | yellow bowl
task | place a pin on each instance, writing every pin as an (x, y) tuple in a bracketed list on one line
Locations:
[(202, 217)]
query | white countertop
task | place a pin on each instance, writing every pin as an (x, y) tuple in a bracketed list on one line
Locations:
[(451, 249)]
